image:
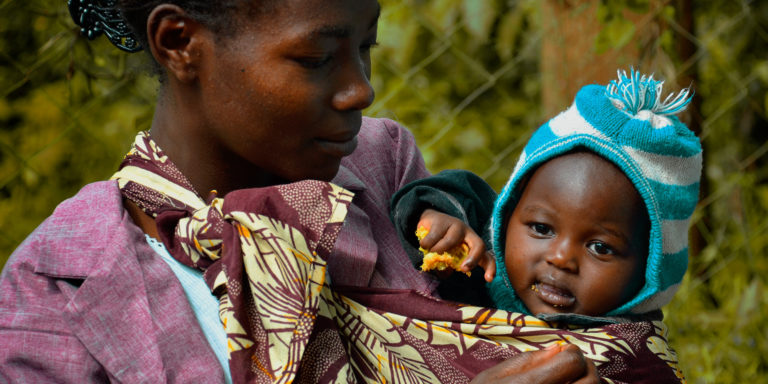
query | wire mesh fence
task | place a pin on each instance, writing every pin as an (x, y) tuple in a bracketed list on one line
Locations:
[(472, 80)]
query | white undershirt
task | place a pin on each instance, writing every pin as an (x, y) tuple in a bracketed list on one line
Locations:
[(204, 304)]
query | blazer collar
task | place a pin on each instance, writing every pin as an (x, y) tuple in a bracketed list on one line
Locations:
[(129, 308)]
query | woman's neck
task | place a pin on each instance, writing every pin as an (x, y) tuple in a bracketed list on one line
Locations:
[(179, 128)]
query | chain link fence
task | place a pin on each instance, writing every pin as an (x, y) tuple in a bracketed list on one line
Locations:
[(472, 80)]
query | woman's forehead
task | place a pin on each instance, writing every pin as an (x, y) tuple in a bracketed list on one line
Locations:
[(317, 18)]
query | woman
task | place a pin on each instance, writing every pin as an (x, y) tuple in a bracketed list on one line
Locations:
[(254, 94)]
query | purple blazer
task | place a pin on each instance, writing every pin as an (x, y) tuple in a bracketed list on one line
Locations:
[(85, 299)]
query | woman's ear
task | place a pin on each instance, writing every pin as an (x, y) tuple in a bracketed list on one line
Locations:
[(175, 41)]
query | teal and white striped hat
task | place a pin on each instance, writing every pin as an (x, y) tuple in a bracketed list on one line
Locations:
[(628, 124)]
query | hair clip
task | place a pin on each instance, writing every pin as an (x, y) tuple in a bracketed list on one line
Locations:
[(95, 17)]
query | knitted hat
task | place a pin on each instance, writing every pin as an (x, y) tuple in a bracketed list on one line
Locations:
[(628, 124)]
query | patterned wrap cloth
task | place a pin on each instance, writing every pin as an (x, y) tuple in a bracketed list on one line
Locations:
[(264, 251)]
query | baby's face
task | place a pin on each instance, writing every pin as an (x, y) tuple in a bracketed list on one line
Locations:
[(578, 238)]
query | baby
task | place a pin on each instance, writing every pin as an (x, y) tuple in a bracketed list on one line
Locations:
[(592, 226)]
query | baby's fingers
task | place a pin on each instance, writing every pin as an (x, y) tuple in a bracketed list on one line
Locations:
[(452, 237), (436, 225), (484, 259), (488, 263), (476, 254)]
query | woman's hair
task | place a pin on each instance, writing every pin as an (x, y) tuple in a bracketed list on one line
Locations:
[(124, 22), (216, 15)]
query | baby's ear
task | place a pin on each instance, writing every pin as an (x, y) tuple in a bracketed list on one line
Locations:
[(175, 40)]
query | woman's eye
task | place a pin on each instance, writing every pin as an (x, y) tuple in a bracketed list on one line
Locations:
[(314, 62), (600, 248), (541, 229)]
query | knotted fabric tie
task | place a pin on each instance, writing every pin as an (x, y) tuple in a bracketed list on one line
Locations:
[(242, 242)]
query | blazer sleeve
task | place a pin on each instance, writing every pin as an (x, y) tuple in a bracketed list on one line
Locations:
[(406, 156)]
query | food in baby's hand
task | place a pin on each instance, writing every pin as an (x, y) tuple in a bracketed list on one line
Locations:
[(442, 261)]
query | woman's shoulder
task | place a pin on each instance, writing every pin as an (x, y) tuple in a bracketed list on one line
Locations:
[(92, 207), (386, 151), (384, 132), (79, 226), (387, 146), (385, 142)]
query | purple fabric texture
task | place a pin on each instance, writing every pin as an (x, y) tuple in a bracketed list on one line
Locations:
[(85, 299), (386, 160)]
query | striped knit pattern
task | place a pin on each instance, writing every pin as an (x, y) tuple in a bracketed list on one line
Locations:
[(628, 124)]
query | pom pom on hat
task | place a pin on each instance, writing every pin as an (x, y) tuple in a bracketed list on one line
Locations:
[(636, 92), (627, 123)]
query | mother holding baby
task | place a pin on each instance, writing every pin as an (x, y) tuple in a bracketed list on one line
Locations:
[(259, 107)]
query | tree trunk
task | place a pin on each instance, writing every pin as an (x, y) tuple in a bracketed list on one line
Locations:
[(570, 59)]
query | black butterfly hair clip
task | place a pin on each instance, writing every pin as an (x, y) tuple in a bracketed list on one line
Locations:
[(100, 16)]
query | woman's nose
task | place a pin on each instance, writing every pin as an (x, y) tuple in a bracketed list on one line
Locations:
[(355, 91), (564, 255)]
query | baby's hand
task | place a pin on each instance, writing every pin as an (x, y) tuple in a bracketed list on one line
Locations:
[(446, 232)]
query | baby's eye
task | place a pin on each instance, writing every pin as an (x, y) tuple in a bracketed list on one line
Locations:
[(600, 248), (541, 229)]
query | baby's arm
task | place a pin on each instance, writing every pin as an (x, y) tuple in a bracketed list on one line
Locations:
[(446, 233), (460, 195)]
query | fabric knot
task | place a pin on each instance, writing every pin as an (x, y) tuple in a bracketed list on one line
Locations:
[(200, 235), (263, 252)]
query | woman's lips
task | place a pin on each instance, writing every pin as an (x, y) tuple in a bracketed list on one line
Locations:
[(554, 296), (338, 148)]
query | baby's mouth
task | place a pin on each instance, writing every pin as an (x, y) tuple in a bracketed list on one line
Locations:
[(552, 295)]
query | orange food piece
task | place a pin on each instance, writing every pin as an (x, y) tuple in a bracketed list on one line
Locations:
[(441, 261)]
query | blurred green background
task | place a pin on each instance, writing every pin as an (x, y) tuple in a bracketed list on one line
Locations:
[(471, 79)]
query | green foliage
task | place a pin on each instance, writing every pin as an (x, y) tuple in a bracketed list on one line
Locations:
[(616, 31), (465, 76), (718, 319), (68, 110), (479, 17), (461, 82)]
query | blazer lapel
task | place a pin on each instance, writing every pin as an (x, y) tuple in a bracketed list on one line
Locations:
[(110, 315), (130, 311)]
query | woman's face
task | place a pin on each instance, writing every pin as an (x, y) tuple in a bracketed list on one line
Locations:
[(577, 240), (283, 96)]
